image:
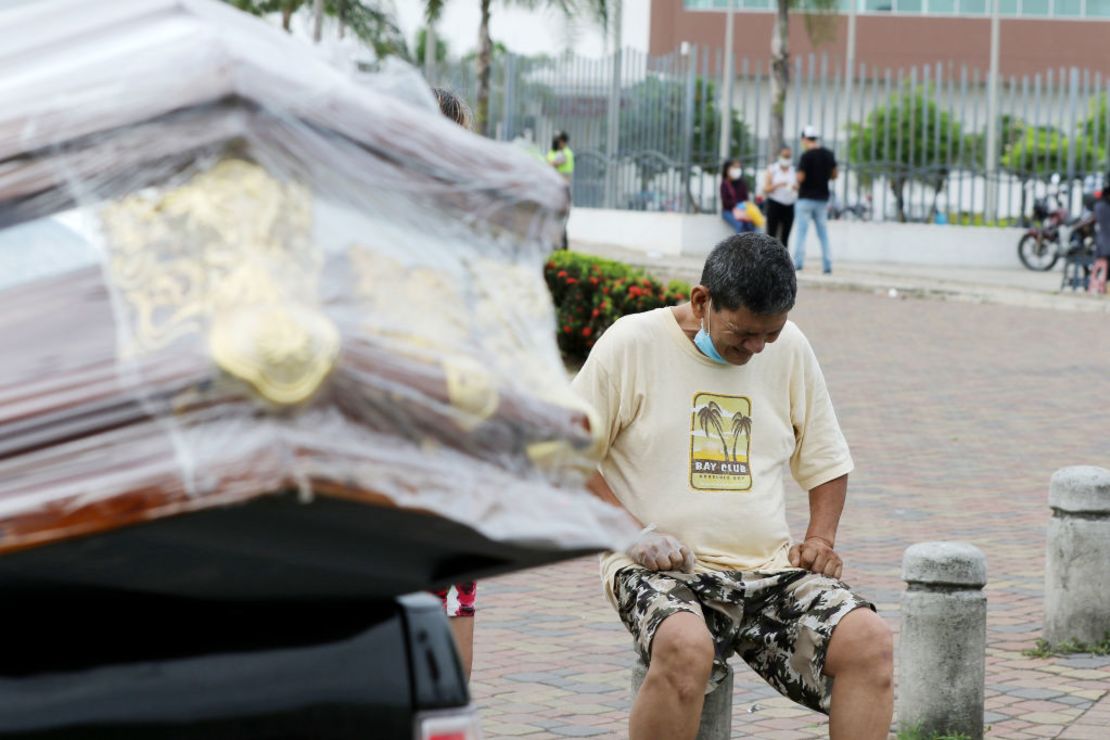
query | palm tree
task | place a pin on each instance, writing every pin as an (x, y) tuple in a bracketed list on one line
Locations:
[(597, 10), (370, 20), (740, 425), (710, 416), (818, 28)]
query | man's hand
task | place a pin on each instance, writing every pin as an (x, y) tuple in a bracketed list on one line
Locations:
[(657, 551), (818, 556)]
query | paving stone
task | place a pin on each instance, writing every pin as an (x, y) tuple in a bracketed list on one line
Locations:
[(1035, 693), (579, 731)]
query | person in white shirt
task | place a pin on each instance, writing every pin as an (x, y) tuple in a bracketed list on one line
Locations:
[(780, 183)]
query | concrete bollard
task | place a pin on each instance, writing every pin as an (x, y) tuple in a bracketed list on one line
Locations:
[(1077, 566), (716, 713), (943, 642)]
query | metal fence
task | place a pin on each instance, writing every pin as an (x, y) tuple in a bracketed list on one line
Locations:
[(911, 142)]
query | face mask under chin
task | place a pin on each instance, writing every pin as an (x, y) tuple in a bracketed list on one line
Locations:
[(704, 342)]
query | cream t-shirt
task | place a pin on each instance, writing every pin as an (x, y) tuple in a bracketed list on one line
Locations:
[(701, 449)]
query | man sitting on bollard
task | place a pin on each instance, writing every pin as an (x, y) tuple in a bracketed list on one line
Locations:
[(699, 431)]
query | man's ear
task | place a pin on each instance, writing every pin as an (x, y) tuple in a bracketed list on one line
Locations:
[(699, 301)]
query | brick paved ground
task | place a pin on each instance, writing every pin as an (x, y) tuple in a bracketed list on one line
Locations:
[(957, 414)]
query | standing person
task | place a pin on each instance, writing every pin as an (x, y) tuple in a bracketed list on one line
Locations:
[(734, 197), (1102, 241), (460, 599), (816, 169), (561, 157), (715, 571), (780, 182)]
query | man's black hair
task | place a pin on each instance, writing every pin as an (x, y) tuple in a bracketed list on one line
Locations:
[(562, 136), (752, 270), (454, 107)]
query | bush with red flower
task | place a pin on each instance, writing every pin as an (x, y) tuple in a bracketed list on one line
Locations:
[(591, 293)]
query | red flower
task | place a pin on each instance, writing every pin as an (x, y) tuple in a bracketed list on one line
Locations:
[(587, 331), (567, 329), (550, 265), (596, 313), (572, 281), (646, 283), (605, 291), (593, 281), (561, 273), (635, 291), (605, 304)]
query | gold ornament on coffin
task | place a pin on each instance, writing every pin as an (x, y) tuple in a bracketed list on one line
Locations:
[(284, 352), (227, 255)]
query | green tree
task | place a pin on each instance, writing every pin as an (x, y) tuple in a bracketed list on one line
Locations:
[(1035, 152), (653, 101), (1010, 130), (370, 21), (1094, 126), (421, 42), (596, 10), (906, 139)]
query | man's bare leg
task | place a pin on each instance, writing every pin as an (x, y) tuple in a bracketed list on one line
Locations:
[(463, 630), (668, 706), (861, 659)]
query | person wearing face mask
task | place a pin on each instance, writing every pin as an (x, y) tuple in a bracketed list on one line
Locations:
[(780, 182), (706, 409), (734, 197)]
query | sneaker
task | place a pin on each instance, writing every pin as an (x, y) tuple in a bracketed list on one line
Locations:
[(828, 271)]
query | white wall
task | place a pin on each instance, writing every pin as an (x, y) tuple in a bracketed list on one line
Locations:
[(675, 234)]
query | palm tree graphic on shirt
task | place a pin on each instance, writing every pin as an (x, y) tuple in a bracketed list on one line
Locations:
[(741, 424), (711, 415)]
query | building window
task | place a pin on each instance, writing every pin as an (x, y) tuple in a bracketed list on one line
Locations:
[(1008, 8)]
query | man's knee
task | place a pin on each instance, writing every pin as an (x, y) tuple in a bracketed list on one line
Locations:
[(862, 642), (682, 654)]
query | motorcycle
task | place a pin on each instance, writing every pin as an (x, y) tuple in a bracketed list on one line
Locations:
[(1043, 245), (1040, 247)]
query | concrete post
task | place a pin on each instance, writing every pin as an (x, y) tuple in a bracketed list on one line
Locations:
[(1077, 568), (942, 647), (716, 713)]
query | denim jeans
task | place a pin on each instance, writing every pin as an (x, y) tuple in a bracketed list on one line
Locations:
[(740, 227), (804, 210)]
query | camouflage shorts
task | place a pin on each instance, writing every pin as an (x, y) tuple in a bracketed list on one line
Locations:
[(779, 623)]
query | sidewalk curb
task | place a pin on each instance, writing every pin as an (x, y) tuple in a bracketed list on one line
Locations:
[(895, 286)]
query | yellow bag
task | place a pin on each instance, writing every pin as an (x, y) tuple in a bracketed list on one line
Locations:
[(755, 215)]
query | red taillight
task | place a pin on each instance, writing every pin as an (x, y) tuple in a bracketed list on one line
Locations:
[(448, 724)]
